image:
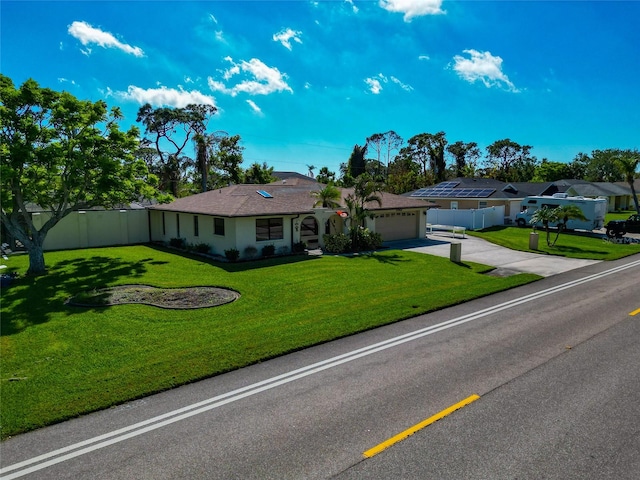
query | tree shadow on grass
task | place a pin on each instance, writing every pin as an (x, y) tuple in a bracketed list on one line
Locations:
[(387, 257), (31, 300)]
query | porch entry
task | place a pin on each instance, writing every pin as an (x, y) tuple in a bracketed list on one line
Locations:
[(309, 232)]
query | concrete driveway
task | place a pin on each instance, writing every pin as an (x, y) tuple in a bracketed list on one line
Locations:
[(505, 260)]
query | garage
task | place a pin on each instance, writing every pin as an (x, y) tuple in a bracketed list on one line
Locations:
[(397, 225)]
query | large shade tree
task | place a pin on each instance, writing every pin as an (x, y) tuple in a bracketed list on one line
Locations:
[(62, 154), (465, 156), (509, 161), (384, 146), (169, 131)]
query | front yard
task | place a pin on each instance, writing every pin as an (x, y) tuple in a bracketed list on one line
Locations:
[(571, 245), (60, 361)]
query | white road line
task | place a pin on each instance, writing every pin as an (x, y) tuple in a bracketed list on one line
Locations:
[(66, 453)]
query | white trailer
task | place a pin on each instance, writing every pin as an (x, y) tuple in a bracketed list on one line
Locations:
[(594, 209)]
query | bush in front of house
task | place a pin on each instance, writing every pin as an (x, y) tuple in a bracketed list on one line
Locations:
[(299, 247), (250, 252), (232, 254), (202, 248), (337, 243), (268, 250), (177, 243), (365, 239)]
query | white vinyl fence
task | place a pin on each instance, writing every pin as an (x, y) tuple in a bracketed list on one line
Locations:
[(95, 228), (470, 219)]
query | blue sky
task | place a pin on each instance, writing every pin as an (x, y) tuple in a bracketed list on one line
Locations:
[(302, 82)]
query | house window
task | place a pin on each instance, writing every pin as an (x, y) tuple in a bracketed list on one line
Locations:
[(218, 226), (178, 225), (196, 227), (164, 225), (482, 204), (454, 205), (269, 229)]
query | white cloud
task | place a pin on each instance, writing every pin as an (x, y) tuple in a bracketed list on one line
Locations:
[(90, 35), (413, 8), (261, 79), (286, 35), (65, 80), (374, 85), (484, 67), (164, 96), (353, 7), (403, 86), (254, 107), (220, 36), (213, 19), (423, 57)]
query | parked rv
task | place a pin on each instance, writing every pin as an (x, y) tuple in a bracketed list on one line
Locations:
[(594, 210)]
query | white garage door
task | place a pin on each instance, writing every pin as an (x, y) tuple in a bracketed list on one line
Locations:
[(397, 225)]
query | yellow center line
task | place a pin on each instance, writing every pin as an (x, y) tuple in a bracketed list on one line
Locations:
[(410, 431), (635, 312)]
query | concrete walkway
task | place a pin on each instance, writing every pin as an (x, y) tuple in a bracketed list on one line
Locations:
[(505, 260)]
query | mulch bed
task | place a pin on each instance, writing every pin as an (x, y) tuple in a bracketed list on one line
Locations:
[(175, 298)]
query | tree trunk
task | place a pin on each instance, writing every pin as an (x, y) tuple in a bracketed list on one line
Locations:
[(36, 260)]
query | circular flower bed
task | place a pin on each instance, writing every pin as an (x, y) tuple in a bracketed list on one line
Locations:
[(189, 297)]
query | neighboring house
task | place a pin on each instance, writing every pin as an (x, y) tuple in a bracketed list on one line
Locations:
[(478, 193), (281, 213), (617, 194)]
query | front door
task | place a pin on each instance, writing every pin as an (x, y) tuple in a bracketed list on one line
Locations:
[(309, 232)]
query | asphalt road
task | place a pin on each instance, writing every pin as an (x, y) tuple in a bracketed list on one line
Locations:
[(555, 364)]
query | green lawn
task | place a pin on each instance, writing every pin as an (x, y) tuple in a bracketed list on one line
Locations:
[(60, 361), (568, 245)]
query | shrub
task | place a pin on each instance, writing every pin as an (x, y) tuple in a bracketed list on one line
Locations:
[(250, 251), (202, 248), (299, 247), (268, 250), (177, 243), (367, 240), (232, 254), (337, 243), (283, 250)]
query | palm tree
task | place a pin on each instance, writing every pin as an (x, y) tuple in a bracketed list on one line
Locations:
[(365, 191), (560, 216), (328, 197), (628, 162), (311, 169)]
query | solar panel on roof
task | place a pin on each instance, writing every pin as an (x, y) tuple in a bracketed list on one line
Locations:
[(447, 184), (264, 194), (440, 192)]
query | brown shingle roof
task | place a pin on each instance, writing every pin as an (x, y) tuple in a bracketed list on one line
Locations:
[(287, 199)]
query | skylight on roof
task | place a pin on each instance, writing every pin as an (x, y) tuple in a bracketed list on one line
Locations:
[(264, 194)]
